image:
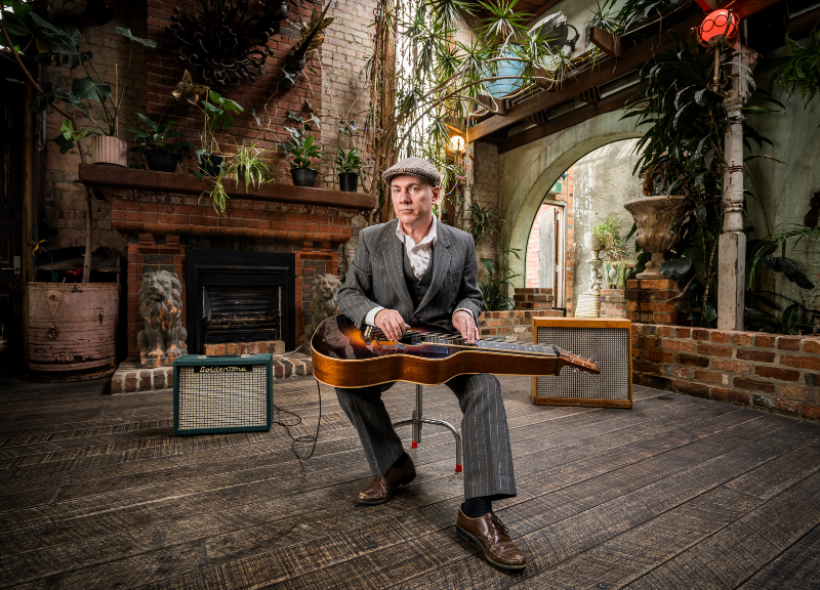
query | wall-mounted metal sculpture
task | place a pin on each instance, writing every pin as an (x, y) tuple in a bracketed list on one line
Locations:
[(311, 39), (225, 42)]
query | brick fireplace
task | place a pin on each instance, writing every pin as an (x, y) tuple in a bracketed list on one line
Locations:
[(160, 215)]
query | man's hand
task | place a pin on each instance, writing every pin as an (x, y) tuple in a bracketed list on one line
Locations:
[(391, 323), (465, 324)]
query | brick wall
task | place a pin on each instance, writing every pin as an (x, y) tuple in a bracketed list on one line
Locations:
[(154, 72), (766, 371), (533, 246), (613, 304), (65, 197), (262, 95), (487, 175), (345, 92)]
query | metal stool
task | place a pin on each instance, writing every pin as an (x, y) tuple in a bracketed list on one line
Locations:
[(417, 420)]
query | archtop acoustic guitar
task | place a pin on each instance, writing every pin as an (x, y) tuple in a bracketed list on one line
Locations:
[(344, 356)]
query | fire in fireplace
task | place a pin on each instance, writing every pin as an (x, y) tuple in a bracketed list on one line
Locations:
[(240, 297)]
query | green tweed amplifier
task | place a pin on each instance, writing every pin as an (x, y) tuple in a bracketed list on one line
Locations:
[(217, 394)]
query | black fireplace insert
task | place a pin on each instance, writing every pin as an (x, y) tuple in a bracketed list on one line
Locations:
[(240, 297)]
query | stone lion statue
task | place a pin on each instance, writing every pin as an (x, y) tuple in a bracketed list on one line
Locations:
[(163, 338), (323, 292)]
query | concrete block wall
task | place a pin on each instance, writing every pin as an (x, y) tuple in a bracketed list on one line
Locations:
[(765, 371), (487, 175)]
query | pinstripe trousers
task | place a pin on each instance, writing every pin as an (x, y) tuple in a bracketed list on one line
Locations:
[(488, 465)]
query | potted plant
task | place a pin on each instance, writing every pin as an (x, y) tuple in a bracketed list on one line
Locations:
[(217, 110), (303, 154), (161, 154), (248, 166), (88, 95), (350, 166)]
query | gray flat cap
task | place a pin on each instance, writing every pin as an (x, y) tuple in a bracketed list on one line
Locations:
[(413, 167)]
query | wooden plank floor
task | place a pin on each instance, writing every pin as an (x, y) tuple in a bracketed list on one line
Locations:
[(677, 493)]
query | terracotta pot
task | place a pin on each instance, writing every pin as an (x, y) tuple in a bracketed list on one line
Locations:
[(109, 150), (654, 217), (348, 182), (72, 330)]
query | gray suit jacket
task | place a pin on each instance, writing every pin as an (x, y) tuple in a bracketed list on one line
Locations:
[(376, 277)]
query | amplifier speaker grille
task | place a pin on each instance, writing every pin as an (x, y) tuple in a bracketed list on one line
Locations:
[(607, 342), (222, 394)]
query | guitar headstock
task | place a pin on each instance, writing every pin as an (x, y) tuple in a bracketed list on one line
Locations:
[(578, 362)]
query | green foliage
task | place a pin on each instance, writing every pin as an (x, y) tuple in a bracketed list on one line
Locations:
[(303, 152), (217, 110), (800, 72), (492, 287), (630, 14), (485, 221), (217, 193), (349, 162), (87, 93), (248, 166), (610, 237), (434, 89), (156, 137), (767, 311)]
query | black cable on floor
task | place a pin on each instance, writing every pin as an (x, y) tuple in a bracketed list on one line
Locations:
[(304, 439)]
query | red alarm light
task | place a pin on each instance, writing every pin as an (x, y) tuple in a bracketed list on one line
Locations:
[(718, 23)]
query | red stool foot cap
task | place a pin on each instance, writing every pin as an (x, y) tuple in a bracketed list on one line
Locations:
[(458, 468), (414, 444)]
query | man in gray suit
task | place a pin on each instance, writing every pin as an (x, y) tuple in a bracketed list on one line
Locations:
[(416, 269)]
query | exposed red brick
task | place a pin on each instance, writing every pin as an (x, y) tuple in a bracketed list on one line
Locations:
[(811, 411), (700, 334), (745, 383), (811, 346), (787, 406), (802, 362), (759, 356), (742, 338), (679, 345), (695, 389), (693, 360), (789, 342), (730, 395), (715, 350), (730, 366), (775, 373), (765, 341), (709, 377)]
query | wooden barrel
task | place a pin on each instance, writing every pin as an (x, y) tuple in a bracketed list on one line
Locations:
[(72, 330)]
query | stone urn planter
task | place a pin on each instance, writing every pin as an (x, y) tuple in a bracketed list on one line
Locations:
[(654, 217), (72, 330)]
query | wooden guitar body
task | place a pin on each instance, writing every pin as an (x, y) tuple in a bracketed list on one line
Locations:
[(344, 357)]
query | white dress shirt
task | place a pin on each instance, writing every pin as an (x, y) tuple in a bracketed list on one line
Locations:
[(420, 256)]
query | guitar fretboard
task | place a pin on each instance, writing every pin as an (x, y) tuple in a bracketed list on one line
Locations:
[(490, 343)]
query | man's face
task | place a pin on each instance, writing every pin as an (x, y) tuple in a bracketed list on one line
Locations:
[(413, 198)]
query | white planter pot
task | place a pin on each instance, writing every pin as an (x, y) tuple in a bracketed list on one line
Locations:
[(109, 150)]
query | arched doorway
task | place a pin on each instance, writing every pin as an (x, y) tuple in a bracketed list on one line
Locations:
[(529, 173)]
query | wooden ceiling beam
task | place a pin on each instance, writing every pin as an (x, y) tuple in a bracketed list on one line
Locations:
[(579, 115), (633, 58)]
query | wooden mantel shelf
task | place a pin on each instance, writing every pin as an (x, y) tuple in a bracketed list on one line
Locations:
[(173, 182)]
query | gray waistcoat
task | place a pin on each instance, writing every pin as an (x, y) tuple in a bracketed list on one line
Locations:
[(417, 287)]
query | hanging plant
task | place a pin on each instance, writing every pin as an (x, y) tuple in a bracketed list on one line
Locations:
[(800, 72), (225, 42)]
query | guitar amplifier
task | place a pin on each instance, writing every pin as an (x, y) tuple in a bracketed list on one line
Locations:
[(606, 341), (217, 394)]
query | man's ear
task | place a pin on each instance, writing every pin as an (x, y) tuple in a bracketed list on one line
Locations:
[(436, 191)]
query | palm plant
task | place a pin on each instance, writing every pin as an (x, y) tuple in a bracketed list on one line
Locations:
[(681, 152), (435, 80)]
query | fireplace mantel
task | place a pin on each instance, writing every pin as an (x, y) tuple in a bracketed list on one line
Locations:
[(173, 182)]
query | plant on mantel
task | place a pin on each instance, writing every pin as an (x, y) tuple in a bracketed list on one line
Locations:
[(681, 153), (154, 141), (27, 33)]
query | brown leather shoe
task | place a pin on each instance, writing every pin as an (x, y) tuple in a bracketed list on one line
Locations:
[(491, 535), (382, 488)]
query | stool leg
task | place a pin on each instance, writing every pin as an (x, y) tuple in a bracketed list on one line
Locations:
[(417, 414)]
